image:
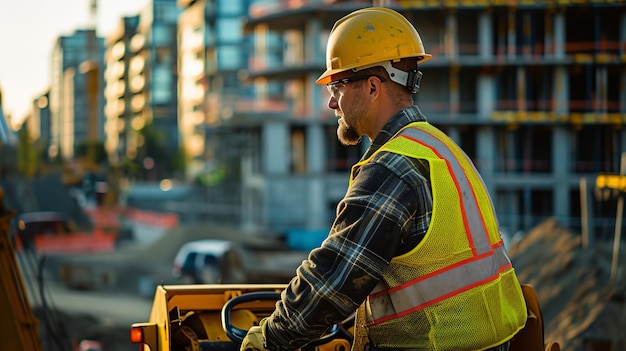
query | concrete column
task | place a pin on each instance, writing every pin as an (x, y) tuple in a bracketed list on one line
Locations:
[(559, 35), (587, 221), (247, 199), (515, 220), (275, 148), (485, 93), (314, 53), (455, 94), (511, 34), (485, 96), (561, 161), (316, 149), (601, 97), (561, 93), (507, 210), (521, 89), (485, 153), (451, 38), (452, 52), (316, 200), (485, 36)]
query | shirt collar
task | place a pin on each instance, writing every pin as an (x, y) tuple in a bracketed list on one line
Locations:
[(392, 127)]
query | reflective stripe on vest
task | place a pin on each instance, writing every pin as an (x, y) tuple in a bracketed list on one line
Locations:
[(485, 265), (425, 291), (472, 217)]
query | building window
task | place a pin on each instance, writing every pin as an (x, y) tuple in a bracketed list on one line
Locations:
[(530, 32), (230, 7), (165, 12), (163, 35), (467, 95), (594, 88), (161, 86), (229, 57), (596, 148), (506, 94), (524, 149), (229, 29), (592, 31), (467, 39), (539, 84)]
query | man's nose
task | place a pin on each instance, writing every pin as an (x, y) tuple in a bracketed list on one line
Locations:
[(332, 103)]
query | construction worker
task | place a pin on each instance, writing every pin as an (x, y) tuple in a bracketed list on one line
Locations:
[(415, 241)]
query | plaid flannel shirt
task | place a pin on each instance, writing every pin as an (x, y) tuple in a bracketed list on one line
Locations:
[(385, 212)]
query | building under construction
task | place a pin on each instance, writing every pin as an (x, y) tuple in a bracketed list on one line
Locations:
[(532, 90)]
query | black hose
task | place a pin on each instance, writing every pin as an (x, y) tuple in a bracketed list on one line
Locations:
[(44, 305)]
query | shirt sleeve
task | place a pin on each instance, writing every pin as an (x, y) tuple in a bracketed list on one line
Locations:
[(385, 204)]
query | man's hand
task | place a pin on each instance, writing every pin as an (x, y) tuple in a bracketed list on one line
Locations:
[(255, 340)]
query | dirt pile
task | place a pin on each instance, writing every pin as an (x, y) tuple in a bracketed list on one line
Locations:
[(579, 302)]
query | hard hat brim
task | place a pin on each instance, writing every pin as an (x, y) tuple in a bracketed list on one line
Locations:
[(325, 77)]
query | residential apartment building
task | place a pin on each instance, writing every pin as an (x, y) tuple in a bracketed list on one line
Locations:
[(38, 123), (213, 52), (158, 27), (141, 87), (121, 140), (76, 100), (532, 90)]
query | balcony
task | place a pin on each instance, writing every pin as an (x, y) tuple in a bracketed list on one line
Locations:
[(294, 14)]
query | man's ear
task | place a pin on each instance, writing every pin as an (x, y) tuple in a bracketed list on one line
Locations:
[(375, 88)]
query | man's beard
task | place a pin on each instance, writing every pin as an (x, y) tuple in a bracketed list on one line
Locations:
[(347, 135)]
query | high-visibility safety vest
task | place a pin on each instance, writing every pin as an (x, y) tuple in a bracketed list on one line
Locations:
[(457, 289)]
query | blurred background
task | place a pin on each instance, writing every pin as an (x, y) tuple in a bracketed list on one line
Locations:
[(199, 120)]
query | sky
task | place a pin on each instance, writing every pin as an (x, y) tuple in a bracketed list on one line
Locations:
[(28, 31)]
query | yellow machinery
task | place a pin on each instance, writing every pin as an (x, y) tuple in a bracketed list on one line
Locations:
[(216, 317), (211, 317), (18, 325)]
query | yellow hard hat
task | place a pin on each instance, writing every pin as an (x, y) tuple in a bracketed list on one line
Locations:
[(368, 36)]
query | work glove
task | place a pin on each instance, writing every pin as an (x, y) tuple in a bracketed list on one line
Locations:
[(255, 339)]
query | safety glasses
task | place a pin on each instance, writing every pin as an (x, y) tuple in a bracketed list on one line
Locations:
[(337, 88)]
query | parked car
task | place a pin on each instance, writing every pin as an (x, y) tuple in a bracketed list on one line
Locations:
[(204, 261), (236, 262)]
